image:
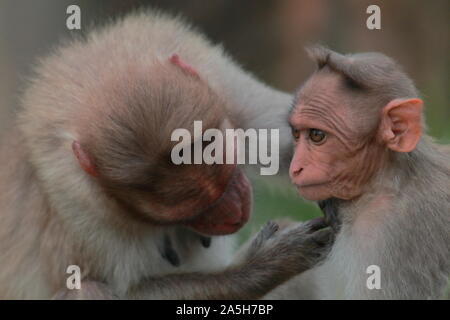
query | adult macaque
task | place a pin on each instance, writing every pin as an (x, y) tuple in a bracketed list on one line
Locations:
[(86, 176), (360, 151)]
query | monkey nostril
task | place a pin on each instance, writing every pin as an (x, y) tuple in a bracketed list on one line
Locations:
[(297, 172)]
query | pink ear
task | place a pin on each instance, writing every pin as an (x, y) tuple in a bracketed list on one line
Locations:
[(175, 59), (83, 159), (401, 124)]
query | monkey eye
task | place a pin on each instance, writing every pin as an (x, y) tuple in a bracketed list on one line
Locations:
[(317, 136), (296, 134)]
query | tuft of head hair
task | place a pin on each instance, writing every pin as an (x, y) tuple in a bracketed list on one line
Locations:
[(371, 71)]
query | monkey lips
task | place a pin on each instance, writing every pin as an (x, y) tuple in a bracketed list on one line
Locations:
[(230, 212)]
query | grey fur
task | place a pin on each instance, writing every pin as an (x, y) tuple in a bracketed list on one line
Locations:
[(402, 222)]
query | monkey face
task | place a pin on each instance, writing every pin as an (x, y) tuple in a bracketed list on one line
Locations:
[(229, 212), (329, 170), (322, 167), (343, 139), (331, 157), (128, 152), (211, 199)]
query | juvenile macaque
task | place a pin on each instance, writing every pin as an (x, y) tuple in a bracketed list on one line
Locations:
[(361, 152), (86, 176)]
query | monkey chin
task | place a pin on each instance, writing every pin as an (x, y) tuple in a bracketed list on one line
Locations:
[(229, 213), (314, 192)]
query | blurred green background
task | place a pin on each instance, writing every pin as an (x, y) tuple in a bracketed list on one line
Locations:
[(267, 38)]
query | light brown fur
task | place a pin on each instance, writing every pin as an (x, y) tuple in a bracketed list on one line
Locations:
[(53, 214)]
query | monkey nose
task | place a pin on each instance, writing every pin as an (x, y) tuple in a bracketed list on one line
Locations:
[(294, 172), (297, 164)]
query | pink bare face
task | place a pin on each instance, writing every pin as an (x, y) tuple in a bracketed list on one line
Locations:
[(337, 148), (327, 154)]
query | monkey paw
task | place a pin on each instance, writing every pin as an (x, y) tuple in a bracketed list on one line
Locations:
[(330, 210), (314, 239), (292, 249)]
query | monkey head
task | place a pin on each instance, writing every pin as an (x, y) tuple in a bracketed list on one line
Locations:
[(348, 120), (125, 147)]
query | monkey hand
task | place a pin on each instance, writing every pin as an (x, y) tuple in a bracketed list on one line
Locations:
[(285, 223), (330, 210), (287, 252)]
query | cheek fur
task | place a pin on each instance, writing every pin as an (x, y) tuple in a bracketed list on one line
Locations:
[(335, 170), (355, 171), (323, 164)]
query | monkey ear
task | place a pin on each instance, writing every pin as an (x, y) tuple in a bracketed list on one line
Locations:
[(83, 159), (175, 59), (401, 124)]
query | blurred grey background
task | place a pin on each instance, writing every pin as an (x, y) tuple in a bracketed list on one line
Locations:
[(267, 38)]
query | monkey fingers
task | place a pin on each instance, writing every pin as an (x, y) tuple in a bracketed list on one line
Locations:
[(323, 237), (330, 210), (267, 231), (313, 240), (315, 224)]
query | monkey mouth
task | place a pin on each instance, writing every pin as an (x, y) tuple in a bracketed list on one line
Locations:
[(230, 213), (310, 184), (218, 229)]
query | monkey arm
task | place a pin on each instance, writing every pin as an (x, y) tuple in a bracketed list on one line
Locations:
[(273, 256), (90, 290), (252, 103), (330, 210), (234, 283), (271, 259)]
